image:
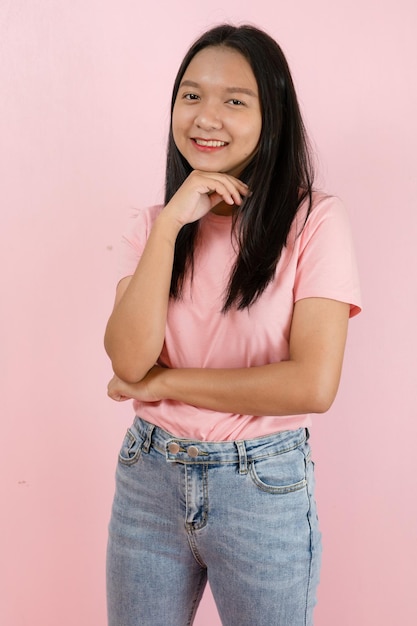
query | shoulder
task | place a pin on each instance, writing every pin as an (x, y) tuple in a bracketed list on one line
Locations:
[(134, 239), (322, 205), (325, 212), (140, 222), (146, 215), (310, 215)]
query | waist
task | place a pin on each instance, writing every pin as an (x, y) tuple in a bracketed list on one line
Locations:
[(242, 451)]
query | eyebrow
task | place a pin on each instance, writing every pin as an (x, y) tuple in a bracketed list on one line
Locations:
[(245, 90)]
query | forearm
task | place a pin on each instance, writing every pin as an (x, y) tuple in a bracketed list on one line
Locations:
[(135, 331), (286, 388)]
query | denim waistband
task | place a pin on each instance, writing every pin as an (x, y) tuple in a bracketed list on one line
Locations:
[(190, 451)]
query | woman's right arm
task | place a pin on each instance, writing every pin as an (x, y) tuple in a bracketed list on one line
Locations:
[(136, 329)]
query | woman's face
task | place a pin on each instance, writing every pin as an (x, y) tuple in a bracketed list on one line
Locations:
[(217, 120)]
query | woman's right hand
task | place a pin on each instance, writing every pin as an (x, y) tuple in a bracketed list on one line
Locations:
[(201, 192)]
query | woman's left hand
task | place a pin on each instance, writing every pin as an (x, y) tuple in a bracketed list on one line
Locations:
[(145, 390)]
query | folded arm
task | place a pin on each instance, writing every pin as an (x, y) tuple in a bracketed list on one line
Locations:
[(306, 383)]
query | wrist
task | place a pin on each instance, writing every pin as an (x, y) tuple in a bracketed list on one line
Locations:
[(167, 227), (163, 383)]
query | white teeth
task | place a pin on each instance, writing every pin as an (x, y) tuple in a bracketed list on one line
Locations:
[(210, 143)]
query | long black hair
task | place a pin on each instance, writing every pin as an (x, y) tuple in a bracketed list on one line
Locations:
[(280, 174)]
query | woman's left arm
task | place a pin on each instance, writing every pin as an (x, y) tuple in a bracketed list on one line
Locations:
[(306, 383)]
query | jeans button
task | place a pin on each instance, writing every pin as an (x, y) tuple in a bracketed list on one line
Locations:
[(192, 451), (173, 447)]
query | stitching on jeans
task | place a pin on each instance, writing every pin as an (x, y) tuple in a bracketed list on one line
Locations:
[(194, 550), (308, 591), (275, 489), (243, 460), (204, 515), (197, 596), (130, 441), (279, 489)]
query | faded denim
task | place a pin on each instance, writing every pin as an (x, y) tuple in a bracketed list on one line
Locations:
[(241, 515)]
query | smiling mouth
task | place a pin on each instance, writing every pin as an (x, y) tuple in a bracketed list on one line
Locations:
[(210, 143)]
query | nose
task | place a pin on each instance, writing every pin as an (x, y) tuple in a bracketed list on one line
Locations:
[(208, 118)]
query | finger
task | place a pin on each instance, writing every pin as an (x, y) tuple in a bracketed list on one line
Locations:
[(230, 189), (225, 189), (117, 397)]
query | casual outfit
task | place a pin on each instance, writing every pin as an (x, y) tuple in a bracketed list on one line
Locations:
[(229, 497)]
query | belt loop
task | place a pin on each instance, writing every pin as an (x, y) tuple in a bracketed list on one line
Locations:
[(243, 460), (148, 440)]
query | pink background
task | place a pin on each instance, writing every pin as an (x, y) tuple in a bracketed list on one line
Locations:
[(85, 87)]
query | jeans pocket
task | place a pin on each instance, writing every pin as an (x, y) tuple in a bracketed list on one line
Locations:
[(281, 473), (131, 447)]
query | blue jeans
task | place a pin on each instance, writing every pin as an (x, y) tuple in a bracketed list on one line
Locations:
[(241, 515)]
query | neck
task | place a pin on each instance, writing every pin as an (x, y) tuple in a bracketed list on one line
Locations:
[(222, 209)]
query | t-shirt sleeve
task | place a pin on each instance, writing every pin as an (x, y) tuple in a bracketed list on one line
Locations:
[(134, 239), (326, 262)]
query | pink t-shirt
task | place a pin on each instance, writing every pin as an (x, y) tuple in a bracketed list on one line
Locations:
[(318, 263)]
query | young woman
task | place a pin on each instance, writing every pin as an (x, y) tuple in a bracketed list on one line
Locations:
[(228, 330)]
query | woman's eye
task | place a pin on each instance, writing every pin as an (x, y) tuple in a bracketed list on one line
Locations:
[(236, 102), (191, 96)]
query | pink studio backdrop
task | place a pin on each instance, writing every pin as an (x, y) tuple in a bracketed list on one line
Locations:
[(84, 99)]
